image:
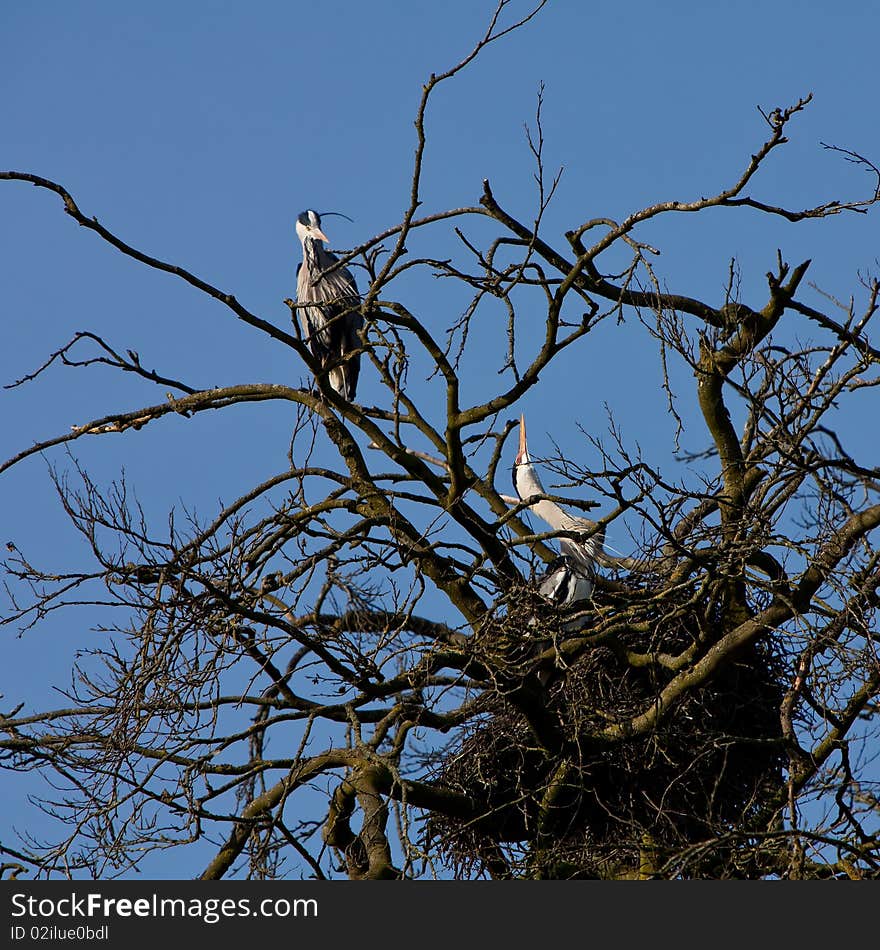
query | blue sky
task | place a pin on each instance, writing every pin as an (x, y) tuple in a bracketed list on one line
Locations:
[(198, 131)]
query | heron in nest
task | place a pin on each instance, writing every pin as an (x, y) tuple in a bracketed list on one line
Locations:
[(570, 577)]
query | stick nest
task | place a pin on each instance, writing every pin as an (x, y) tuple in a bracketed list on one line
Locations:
[(608, 808)]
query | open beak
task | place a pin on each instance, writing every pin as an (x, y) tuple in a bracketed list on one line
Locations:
[(523, 455)]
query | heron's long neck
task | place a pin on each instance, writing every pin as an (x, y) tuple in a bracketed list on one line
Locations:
[(527, 484), (316, 257)]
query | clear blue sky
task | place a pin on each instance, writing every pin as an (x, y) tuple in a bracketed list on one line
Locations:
[(198, 131)]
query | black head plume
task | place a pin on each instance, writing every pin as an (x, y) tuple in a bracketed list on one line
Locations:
[(335, 214)]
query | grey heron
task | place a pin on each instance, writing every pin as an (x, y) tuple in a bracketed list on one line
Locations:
[(331, 320), (570, 577)]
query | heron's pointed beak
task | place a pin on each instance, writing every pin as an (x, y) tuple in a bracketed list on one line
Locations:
[(523, 455), (319, 234)]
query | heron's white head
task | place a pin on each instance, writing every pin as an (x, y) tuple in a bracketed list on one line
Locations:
[(308, 226)]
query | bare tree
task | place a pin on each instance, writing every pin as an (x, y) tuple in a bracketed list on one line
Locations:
[(337, 673)]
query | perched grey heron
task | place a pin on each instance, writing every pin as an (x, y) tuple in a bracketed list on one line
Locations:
[(331, 320), (570, 577)]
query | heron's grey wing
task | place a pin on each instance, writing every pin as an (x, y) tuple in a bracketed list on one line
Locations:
[(337, 301), (353, 324), (350, 323)]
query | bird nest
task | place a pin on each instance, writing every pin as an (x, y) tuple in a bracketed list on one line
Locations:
[(606, 808)]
